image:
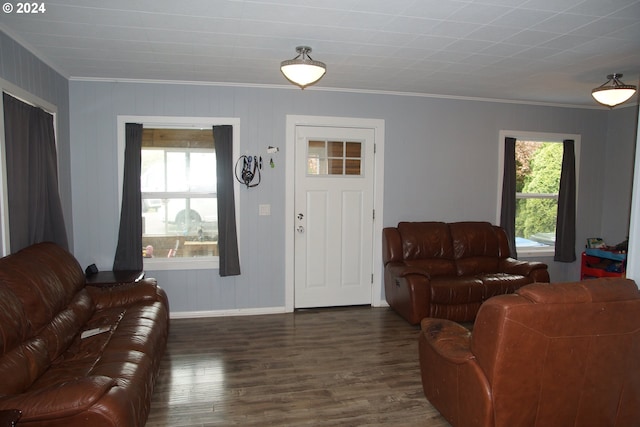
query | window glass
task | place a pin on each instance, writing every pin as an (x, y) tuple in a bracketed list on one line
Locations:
[(178, 187), (335, 149), (334, 158), (538, 169)]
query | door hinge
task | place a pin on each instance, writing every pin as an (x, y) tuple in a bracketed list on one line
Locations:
[(374, 214), (372, 278), (374, 148)]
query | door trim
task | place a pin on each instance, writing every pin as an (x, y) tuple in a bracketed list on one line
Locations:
[(378, 192)]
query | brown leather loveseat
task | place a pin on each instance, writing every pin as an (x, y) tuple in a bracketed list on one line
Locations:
[(49, 369), (563, 354), (447, 270)]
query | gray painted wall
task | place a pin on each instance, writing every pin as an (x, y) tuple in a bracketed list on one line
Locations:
[(21, 68), (619, 157), (441, 163)]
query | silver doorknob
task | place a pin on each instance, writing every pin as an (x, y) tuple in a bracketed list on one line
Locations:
[(300, 229)]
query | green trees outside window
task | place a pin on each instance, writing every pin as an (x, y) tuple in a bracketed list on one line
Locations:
[(538, 169)]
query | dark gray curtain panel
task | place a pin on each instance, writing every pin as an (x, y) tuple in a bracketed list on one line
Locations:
[(35, 210), (508, 206), (566, 219), (227, 234), (129, 250)]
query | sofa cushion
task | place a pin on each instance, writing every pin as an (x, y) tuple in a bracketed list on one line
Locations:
[(45, 287), (14, 328), (66, 325), (476, 247), (502, 283), (456, 290), (433, 266), (425, 240), (20, 367)]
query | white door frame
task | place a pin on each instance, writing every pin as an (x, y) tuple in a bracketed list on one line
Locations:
[(378, 127)]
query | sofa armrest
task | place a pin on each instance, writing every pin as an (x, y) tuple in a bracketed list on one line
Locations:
[(407, 291), (126, 294), (61, 400), (449, 339), (391, 245), (400, 269), (522, 268), (9, 417)]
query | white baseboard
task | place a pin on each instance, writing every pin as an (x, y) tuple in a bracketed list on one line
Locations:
[(225, 313), (241, 312)]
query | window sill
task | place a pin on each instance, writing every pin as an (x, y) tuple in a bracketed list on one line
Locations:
[(535, 253), (199, 263)]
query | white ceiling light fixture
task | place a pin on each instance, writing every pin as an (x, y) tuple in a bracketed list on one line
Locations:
[(302, 70), (613, 92)]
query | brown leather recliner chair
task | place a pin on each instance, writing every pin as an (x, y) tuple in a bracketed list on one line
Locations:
[(564, 354)]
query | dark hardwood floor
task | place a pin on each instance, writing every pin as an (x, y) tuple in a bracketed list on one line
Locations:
[(355, 366)]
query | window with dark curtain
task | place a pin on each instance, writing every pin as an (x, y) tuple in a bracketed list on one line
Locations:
[(508, 207), (566, 214), (227, 234), (35, 210), (129, 251)]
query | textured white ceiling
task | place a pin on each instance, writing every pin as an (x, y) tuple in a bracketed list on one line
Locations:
[(551, 51)]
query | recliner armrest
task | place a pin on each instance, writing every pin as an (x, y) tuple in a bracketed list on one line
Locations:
[(449, 339), (523, 268), (126, 294)]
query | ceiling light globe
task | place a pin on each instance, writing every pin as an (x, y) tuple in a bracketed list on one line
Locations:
[(302, 70), (613, 92), (612, 97)]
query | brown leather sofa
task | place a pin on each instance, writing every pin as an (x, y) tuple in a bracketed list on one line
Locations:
[(563, 354), (53, 375), (447, 270)]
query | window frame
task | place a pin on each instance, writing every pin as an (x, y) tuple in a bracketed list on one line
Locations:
[(540, 137), (178, 122)]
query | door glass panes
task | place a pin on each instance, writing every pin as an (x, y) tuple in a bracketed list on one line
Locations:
[(334, 158), (335, 149)]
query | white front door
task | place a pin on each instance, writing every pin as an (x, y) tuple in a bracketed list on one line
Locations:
[(334, 208)]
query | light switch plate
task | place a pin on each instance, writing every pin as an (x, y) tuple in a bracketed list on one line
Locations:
[(264, 210)]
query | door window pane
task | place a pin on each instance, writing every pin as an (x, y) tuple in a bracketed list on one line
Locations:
[(354, 150), (335, 149), (352, 167), (334, 158)]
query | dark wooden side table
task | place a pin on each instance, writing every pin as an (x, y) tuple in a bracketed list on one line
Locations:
[(9, 417), (110, 278)]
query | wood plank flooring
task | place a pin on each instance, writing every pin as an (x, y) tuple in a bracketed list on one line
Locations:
[(355, 366)]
